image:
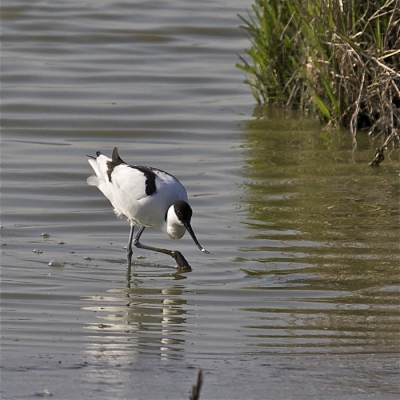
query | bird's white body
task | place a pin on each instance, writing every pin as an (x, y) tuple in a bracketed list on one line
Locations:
[(147, 197), (142, 195)]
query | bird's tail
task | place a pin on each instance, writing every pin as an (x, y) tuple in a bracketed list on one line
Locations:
[(93, 180)]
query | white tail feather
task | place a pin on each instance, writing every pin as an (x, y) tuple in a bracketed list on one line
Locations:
[(93, 180)]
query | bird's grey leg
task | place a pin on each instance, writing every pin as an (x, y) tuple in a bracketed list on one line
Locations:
[(129, 250), (176, 255), (137, 237)]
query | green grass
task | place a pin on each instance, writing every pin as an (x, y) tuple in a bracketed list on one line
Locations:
[(335, 59)]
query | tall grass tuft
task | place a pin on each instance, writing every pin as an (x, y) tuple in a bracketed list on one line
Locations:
[(336, 59)]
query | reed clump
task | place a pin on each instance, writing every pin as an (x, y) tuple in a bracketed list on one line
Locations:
[(335, 59)]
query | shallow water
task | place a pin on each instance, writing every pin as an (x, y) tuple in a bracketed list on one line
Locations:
[(299, 296)]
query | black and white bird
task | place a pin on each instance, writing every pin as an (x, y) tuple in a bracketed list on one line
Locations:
[(147, 197)]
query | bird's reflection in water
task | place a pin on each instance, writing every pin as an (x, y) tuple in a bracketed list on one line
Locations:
[(145, 315)]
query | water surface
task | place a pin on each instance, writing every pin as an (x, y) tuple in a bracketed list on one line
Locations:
[(299, 296)]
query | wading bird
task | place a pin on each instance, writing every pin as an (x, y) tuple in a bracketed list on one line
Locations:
[(147, 197)]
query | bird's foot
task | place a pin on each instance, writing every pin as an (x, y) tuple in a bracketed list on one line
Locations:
[(183, 265)]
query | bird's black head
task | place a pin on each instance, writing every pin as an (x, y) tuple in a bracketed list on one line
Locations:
[(183, 211)]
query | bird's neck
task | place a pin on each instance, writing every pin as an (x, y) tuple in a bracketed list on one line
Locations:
[(173, 226)]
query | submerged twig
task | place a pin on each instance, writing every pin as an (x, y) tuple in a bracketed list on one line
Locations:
[(196, 388), (379, 156)]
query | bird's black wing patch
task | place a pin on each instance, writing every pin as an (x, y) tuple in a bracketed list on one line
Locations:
[(148, 172), (150, 176), (115, 160)]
